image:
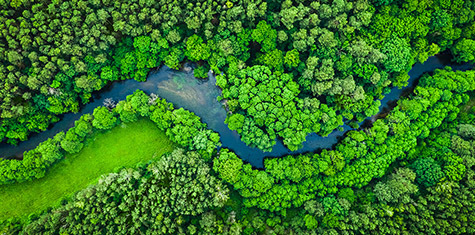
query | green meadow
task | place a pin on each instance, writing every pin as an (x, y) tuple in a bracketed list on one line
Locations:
[(123, 146)]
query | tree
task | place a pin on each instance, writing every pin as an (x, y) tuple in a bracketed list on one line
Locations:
[(265, 35), (428, 172), (383, 2), (292, 59), (196, 50), (126, 111), (440, 19), (235, 122), (164, 195), (464, 50), (103, 118), (139, 101), (399, 55), (83, 126), (72, 143), (398, 188), (466, 131), (310, 222), (228, 165)]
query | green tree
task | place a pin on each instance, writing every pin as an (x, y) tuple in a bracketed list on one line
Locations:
[(464, 50), (228, 165), (196, 50), (399, 55), (103, 118), (72, 143), (291, 58), (428, 172), (265, 35)]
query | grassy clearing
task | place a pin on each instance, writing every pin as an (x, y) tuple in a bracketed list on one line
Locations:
[(123, 146)]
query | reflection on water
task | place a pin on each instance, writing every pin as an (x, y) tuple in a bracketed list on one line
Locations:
[(183, 90), (199, 96)]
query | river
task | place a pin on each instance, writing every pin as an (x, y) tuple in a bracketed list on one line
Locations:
[(199, 96)]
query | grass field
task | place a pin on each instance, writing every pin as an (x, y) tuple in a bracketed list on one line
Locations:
[(123, 146)]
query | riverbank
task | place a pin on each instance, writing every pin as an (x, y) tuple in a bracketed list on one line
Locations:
[(185, 91), (125, 145)]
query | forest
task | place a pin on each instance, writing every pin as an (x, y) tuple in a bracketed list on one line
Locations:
[(285, 71)]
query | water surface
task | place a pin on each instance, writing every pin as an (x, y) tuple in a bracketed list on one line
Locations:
[(199, 96)]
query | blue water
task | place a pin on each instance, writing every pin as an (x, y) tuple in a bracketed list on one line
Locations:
[(199, 96)]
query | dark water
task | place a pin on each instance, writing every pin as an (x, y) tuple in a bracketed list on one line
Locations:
[(183, 90)]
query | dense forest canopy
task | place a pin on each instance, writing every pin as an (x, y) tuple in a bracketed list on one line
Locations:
[(286, 69), (345, 54)]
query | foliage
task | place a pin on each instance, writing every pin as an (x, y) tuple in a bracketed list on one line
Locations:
[(181, 127), (270, 107), (344, 53), (287, 69), (151, 198), (366, 154), (398, 188), (399, 55), (123, 146), (428, 171), (103, 118), (464, 50)]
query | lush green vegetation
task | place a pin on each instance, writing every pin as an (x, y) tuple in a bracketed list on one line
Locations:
[(362, 155), (271, 100), (123, 146), (286, 69), (181, 127), (144, 195), (397, 203), (344, 53)]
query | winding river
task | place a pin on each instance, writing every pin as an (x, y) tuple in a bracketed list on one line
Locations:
[(199, 96)]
